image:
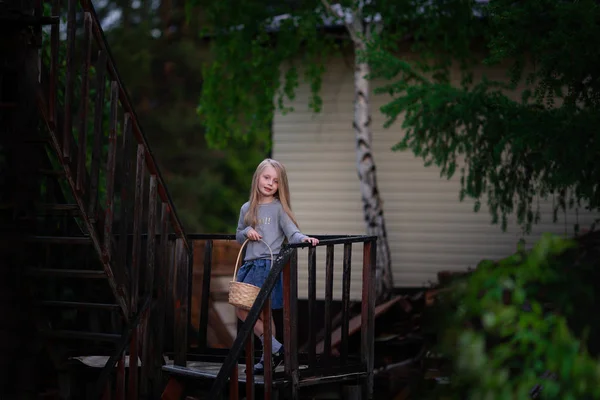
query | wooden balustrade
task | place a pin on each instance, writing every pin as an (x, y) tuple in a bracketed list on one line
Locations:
[(122, 208), (121, 213), (318, 364)]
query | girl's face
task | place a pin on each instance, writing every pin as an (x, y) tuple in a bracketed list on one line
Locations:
[(268, 183)]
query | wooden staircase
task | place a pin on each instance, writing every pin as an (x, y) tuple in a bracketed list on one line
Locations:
[(89, 237)]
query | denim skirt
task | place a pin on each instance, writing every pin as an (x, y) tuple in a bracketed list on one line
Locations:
[(255, 272)]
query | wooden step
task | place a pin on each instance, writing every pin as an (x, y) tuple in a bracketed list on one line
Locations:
[(65, 273), (80, 305), (82, 335)]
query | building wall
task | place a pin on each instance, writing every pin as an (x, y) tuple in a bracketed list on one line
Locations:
[(429, 229)]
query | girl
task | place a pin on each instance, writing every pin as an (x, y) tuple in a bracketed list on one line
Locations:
[(267, 220)]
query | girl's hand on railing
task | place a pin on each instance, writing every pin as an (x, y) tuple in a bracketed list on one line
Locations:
[(311, 240), (253, 235)]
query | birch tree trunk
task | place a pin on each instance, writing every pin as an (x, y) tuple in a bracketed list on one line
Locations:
[(360, 31), (365, 165)]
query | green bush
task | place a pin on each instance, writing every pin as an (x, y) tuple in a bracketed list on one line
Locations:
[(525, 326)]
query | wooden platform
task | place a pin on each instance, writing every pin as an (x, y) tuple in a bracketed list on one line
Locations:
[(209, 370)]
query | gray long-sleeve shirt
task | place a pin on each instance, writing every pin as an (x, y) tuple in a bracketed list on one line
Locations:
[(274, 225)]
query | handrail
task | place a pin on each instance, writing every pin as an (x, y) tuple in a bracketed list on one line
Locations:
[(247, 328), (138, 131), (286, 262), (73, 154)]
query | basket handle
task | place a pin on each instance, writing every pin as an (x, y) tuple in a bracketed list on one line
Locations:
[(240, 255)]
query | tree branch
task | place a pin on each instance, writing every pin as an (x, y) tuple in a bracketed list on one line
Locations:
[(350, 27)]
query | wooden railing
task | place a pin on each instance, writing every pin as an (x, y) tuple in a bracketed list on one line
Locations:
[(126, 207), (317, 365)]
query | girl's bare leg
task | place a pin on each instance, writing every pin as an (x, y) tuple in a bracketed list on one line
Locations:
[(259, 326)]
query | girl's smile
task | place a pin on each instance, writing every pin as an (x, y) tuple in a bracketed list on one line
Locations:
[(268, 184)]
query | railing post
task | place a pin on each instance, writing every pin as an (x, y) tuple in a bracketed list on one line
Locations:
[(83, 105), (53, 85), (205, 295), (290, 322), (70, 80), (150, 323), (110, 171), (260, 304), (367, 315), (135, 270), (163, 277), (328, 301), (312, 305), (98, 134), (346, 279), (250, 368), (181, 303), (234, 390), (123, 243), (267, 348)]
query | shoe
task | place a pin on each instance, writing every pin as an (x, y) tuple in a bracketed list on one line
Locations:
[(278, 358), (259, 368)]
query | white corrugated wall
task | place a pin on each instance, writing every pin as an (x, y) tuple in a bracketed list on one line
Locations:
[(429, 229)]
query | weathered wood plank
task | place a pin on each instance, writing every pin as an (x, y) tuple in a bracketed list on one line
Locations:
[(83, 105)]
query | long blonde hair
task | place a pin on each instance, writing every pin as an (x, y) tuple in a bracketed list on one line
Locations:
[(282, 194)]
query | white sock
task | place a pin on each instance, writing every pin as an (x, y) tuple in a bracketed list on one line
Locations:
[(275, 345)]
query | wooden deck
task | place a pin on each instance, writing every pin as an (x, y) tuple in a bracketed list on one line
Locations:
[(336, 363), (210, 370)]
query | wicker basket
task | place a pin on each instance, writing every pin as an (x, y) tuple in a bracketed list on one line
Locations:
[(242, 295)]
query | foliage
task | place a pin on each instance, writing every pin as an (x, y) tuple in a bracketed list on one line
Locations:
[(242, 81), (262, 50), (521, 322), (160, 59), (514, 151)]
